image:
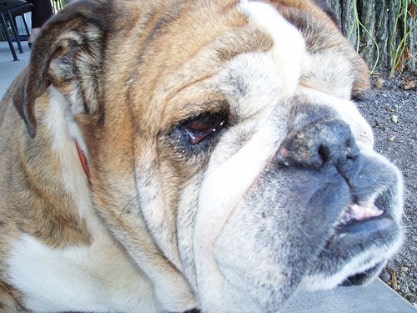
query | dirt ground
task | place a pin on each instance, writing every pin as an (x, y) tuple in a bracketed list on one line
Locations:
[(391, 109)]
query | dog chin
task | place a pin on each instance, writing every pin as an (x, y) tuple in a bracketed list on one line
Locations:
[(340, 234)]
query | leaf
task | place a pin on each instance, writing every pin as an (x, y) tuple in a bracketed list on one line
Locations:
[(392, 138), (412, 10), (379, 83), (408, 83), (405, 56)]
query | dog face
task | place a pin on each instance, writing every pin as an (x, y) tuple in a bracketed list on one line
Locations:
[(222, 147)]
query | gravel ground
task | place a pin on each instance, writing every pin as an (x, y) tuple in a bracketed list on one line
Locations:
[(391, 109)]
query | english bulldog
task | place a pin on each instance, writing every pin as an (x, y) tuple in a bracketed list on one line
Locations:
[(168, 156)]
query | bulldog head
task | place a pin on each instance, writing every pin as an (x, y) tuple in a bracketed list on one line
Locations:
[(223, 148)]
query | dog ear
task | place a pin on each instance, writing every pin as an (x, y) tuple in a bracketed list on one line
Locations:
[(322, 4), (66, 54)]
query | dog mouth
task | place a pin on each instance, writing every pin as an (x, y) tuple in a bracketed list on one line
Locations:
[(362, 216), (356, 213)]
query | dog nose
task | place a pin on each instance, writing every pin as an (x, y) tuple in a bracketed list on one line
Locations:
[(318, 144)]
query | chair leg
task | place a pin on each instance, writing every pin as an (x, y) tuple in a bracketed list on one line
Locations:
[(9, 40), (14, 30), (26, 27), (26, 24)]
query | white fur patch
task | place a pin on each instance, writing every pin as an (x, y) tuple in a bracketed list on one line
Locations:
[(99, 278), (223, 187), (319, 68), (288, 52), (270, 78), (64, 131)]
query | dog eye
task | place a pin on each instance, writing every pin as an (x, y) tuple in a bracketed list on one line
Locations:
[(204, 126)]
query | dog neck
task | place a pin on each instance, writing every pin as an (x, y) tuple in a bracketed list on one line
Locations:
[(83, 160)]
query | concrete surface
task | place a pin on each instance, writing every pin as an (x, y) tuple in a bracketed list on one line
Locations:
[(374, 298), (9, 68)]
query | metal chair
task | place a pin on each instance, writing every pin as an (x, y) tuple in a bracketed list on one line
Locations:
[(20, 11), (9, 9)]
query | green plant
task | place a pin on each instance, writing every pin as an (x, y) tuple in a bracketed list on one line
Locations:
[(384, 32), (57, 5), (406, 21), (360, 26)]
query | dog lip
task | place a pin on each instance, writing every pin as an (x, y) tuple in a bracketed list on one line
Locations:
[(368, 226), (364, 277)]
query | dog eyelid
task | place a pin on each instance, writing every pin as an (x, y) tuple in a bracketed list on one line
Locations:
[(198, 136), (204, 126)]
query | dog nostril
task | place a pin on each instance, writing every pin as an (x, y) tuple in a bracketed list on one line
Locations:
[(324, 153), (328, 142)]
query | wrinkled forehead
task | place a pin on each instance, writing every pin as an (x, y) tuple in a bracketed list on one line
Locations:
[(287, 52), (184, 58)]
